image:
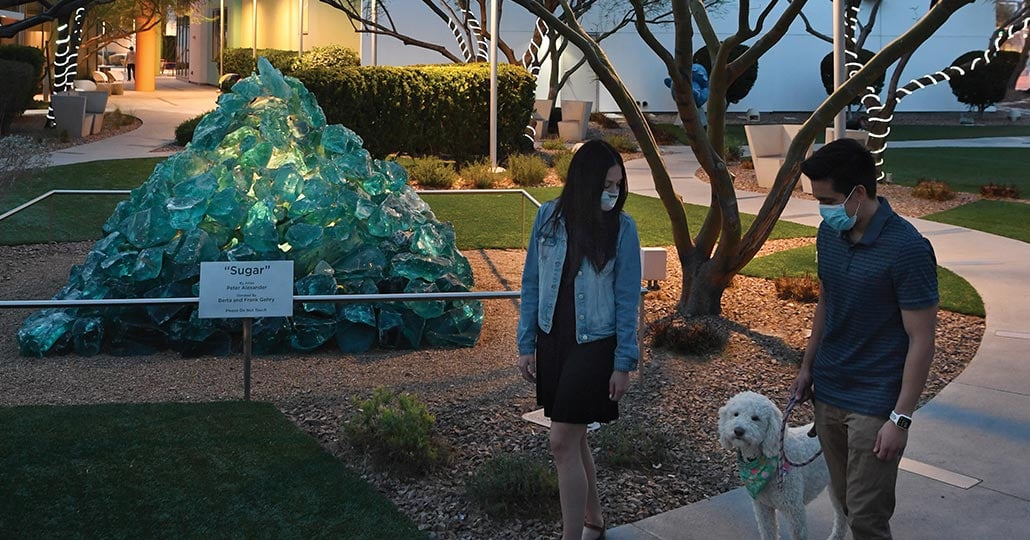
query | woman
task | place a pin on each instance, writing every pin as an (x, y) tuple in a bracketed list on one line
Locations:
[(577, 333)]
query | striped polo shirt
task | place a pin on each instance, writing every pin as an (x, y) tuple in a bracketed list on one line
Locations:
[(865, 285)]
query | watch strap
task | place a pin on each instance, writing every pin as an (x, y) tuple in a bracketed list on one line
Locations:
[(901, 420)]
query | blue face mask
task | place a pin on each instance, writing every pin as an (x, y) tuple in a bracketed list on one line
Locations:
[(836, 216), (608, 200)]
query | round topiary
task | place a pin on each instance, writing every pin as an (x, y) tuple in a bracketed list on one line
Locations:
[(740, 87), (826, 72), (986, 84)]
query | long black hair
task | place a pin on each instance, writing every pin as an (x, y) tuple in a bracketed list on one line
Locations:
[(592, 232)]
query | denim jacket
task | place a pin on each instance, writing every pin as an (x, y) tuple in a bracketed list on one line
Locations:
[(606, 301)]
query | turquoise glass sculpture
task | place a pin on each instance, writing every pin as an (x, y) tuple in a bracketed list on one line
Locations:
[(266, 179)]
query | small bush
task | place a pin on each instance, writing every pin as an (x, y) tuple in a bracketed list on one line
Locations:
[(527, 169), (665, 134), (561, 164), (514, 486), (329, 57), (479, 173), (801, 289), (733, 151), (432, 172), (623, 144), (118, 119), (242, 61), (933, 190), (603, 120), (747, 164), (553, 144), (697, 336), (999, 191), (395, 430), (633, 446), (184, 131), (20, 158)]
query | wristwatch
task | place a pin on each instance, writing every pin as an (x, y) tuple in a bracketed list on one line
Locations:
[(900, 420)]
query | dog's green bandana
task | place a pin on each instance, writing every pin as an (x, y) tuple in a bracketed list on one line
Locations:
[(757, 472)]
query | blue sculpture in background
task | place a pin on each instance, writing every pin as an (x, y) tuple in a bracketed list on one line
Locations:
[(699, 85)]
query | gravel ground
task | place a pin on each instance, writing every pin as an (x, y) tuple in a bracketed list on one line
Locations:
[(476, 394)]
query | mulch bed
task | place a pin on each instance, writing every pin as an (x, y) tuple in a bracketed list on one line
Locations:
[(476, 394)]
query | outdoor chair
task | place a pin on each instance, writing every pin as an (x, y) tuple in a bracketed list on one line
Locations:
[(542, 117), (768, 145), (70, 114), (575, 119)]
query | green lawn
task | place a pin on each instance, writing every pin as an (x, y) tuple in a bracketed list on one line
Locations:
[(495, 220), (956, 293), (964, 169), (67, 218), (919, 133), (213, 470), (1004, 218)]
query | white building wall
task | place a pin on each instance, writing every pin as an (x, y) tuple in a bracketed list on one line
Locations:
[(788, 75)]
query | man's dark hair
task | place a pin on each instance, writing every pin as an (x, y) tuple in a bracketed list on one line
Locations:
[(845, 162)]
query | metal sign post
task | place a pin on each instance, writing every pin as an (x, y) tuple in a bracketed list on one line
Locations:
[(236, 289)]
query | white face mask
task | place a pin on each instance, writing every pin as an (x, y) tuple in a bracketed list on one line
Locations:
[(608, 200)]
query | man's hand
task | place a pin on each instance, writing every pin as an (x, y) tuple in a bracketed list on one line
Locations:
[(617, 385), (890, 441), (527, 365), (802, 387)]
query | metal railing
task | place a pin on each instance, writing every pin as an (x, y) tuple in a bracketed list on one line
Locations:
[(28, 204)]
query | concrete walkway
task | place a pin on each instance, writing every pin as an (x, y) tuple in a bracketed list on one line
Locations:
[(964, 476), (161, 111)]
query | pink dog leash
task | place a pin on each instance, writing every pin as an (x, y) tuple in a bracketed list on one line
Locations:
[(785, 462)]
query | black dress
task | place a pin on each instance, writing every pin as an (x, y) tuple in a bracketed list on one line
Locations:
[(572, 378)]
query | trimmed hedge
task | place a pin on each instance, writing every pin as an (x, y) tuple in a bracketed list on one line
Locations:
[(426, 110), (17, 87), (241, 61), (23, 53), (826, 74)]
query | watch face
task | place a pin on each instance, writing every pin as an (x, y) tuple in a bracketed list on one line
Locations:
[(903, 422)]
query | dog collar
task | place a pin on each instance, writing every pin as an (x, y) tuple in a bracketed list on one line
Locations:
[(756, 473)]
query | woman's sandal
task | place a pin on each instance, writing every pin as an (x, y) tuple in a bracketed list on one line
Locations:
[(593, 527)]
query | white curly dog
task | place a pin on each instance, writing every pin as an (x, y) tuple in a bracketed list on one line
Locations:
[(750, 424)]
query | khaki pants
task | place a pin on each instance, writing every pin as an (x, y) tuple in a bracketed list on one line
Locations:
[(862, 483)]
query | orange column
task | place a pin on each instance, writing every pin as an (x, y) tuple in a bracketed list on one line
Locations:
[(147, 56)]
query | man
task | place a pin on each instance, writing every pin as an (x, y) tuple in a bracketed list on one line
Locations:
[(872, 334), (130, 64)]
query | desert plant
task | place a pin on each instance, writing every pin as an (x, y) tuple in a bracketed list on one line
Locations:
[(695, 336), (480, 174), (747, 164), (20, 158), (527, 169), (117, 118), (561, 164), (553, 144), (432, 172), (184, 131), (733, 151), (621, 143), (798, 288), (395, 430), (602, 120), (633, 446), (999, 191), (514, 486), (933, 190)]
